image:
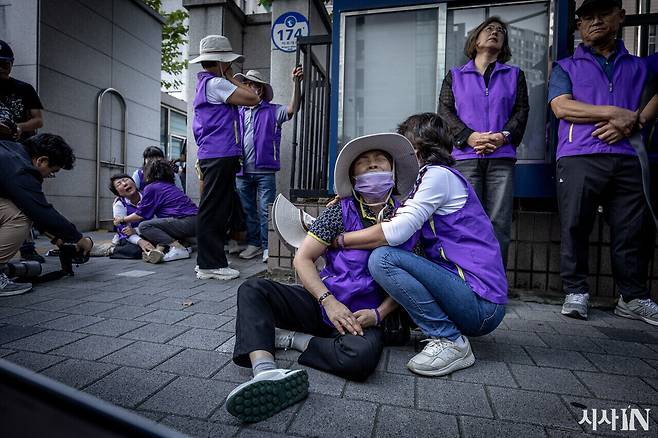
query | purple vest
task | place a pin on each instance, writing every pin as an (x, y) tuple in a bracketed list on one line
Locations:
[(130, 209), (591, 85), (267, 136), (215, 127), (140, 175), (483, 108), (346, 272), (464, 243)]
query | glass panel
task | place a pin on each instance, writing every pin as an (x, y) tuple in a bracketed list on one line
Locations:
[(176, 146), (164, 128), (528, 39), (529, 42), (178, 124), (381, 49)]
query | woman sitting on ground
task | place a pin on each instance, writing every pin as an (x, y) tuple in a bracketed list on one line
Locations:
[(152, 153), (166, 214), (334, 318), (126, 243), (460, 288)]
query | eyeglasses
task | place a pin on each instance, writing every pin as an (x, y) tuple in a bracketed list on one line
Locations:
[(491, 29)]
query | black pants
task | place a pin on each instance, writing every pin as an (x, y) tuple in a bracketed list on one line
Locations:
[(163, 231), (613, 181), (215, 209), (265, 304)]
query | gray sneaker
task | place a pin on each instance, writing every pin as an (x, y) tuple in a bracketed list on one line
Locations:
[(575, 306), (9, 288), (441, 357), (645, 310), (283, 339)]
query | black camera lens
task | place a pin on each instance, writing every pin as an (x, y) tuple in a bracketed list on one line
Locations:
[(26, 269)]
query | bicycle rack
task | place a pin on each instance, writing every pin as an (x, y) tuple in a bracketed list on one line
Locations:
[(124, 146)]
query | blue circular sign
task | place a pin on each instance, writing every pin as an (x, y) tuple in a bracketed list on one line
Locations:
[(287, 28)]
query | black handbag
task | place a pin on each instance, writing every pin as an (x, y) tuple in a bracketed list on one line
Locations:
[(396, 328)]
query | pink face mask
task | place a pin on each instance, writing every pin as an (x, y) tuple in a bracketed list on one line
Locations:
[(375, 186)]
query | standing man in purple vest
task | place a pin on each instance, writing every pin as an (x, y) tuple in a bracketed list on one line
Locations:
[(260, 128), (216, 131), (484, 104), (596, 94)]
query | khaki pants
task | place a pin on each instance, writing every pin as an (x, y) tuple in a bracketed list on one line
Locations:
[(14, 229)]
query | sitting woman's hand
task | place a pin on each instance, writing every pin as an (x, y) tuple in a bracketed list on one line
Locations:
[(366, 317), (129, 231), (117, 220), (341, 317)]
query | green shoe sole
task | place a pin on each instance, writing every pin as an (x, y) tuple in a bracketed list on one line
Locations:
[(263, 399)]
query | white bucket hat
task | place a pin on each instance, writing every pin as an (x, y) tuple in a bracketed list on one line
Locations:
[(396, 145), (216, 48), (290, 222), (256, 76)]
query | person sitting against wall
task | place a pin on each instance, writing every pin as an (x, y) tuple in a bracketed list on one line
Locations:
[(484, 106), (126, 243), (153, 153), (22, 202), (334, 317), (460, 288), (596, 94), (260, 128), (167, 215)]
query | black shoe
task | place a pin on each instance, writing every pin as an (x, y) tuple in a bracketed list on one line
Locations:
[(33, 256)]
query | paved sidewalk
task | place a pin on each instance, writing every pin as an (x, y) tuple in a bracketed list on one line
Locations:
[(160, 345)]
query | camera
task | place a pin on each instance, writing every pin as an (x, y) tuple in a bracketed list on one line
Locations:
[(26, 269), (70, 254)]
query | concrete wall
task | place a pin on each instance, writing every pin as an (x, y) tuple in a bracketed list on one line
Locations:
[(86, 46), (19, 28)]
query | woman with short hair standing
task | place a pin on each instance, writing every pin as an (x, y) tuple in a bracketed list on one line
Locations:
[(484, 104)]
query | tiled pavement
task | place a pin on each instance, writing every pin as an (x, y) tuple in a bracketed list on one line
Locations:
[(160, 345)]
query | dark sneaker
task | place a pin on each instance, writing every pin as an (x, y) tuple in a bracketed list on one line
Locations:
[(32, 256), (575, 306), (266, 394), (9, 288), (645, 310)]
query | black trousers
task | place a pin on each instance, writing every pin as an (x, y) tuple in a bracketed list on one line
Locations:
[(215, 207), (613, 181), (265, 304)]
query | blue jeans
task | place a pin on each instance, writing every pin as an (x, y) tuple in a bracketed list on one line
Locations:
[(439, 301), (256, 191)]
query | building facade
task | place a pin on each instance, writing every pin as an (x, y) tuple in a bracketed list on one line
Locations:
[(71, 51)]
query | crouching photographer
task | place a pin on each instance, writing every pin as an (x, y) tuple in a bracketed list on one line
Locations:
[(22, 203)]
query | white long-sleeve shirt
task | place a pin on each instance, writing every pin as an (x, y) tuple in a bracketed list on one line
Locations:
[(119, 210), (439, 191)]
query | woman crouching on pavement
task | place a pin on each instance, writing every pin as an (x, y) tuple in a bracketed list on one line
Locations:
[(460, 288), (334, 317)]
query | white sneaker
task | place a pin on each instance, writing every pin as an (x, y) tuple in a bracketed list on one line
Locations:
[(266, 255), (176, 253), (266, 394), (441, 356), (251, 252), (218, 274), (233, 247), (283, 339)]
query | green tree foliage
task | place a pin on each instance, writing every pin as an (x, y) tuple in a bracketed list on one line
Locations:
[(174, 34)]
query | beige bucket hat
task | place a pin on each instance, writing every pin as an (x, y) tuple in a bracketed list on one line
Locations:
[(290, 222), (256, 76), (396, 145), (216, 48)]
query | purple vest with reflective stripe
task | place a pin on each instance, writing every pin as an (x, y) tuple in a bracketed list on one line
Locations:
[(140, 175), (464, 243), (483, 108), (346, 272), (215, 127), (130, 209), (267, 136), (591, 85)]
